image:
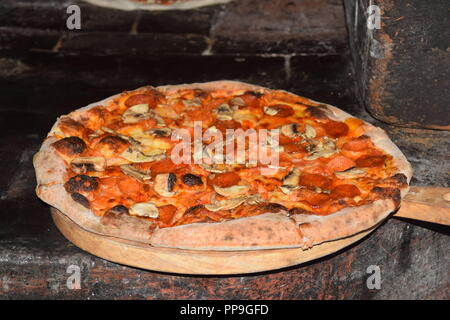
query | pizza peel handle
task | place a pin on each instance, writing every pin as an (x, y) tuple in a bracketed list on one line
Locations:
[(426, 204)]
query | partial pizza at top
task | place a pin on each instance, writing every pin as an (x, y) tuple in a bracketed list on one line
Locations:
[(164, 166), (155, 4)]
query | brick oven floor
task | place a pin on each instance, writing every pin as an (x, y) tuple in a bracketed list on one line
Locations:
[(45, 72)]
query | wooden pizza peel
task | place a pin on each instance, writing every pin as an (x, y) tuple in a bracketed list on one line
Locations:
[(422, 203)]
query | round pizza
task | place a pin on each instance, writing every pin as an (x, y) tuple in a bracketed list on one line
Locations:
[(222, 165)]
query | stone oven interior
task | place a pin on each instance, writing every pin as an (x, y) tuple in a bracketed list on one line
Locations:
[(298, 45)]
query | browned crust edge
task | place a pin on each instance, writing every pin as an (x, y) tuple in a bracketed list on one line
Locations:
[(128, 5), (268, 231)]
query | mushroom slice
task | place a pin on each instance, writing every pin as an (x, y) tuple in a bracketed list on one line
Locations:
[(290, 181), (320, 154), (290, 130), (164, 184), (84, 164), (310, 132), (231, 191), (224, 112), (196, 102), (134, 155), (270, 111), (237, 102), (131, 171), (144, 209), (216, 168), (351, 173), (160, 132), (324, 149), (136, 113), (226, 204)]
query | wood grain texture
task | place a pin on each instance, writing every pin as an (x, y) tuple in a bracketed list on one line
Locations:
[(426, 204), (193, 261), (422, 203)]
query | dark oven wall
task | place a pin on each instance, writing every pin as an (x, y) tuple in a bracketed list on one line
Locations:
[(47, 70), (295, 45)]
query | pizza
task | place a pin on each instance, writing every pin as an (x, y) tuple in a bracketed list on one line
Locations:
[(221, 165), (155, 4)]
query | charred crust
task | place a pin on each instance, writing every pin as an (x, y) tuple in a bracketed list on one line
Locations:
[(112, 216), (191, 180), (297, 211), (193, 209), (82, 167), (388, 193), (400, 178), (275, 207), (70, 145), (118, 210), (81, 182), (171, 179), (254, 93), (319, 112), (199, 93), (161, 133), (77, 197), (114, 142)]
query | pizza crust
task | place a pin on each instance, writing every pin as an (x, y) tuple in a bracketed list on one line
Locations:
[(51, 176), (266, 231)]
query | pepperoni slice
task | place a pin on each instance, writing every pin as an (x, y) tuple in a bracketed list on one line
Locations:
[(225, 180), (293, 148), (314, 180), (129, 186), (345, 191), (359, 144), (283, 110), (317, 199), (251, 99), (141, 98), (166, 213), (340, 163), (335, 129), (371, 161), (70, 145), (223, 125), (162, 166)]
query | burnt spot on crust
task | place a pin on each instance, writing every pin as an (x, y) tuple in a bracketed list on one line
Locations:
[(70, 145), (82, 167), (388, 193), (275, 207), (71, 127), (77, 197), (81, 182), (194, 209), (112, 216), (114, 142), (171, 179), (254, 93), (319, 112), (400, 178), (296, 210), (199, 93), (119, 209), (192, 180), (111, 144)]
